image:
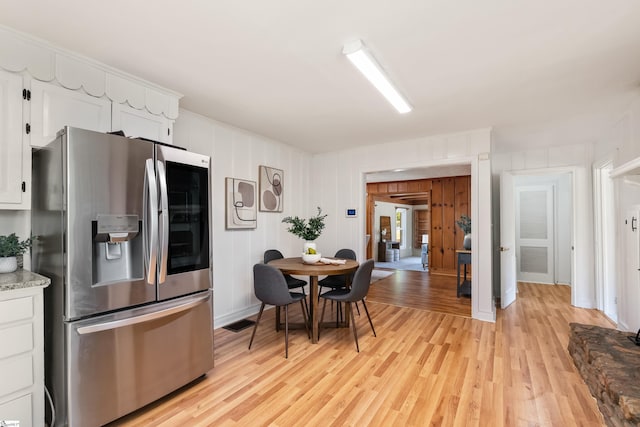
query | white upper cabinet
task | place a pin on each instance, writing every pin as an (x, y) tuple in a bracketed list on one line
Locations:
[(141, 123), (63, 89), (15, 159), (53, 107)]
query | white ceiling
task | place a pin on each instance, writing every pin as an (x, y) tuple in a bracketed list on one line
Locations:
[(537, 71)]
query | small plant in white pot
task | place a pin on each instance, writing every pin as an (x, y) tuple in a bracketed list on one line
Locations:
[(10, 248), (307, 230), (465, 225)]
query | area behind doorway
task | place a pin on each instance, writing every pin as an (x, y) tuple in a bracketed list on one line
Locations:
[(423, 291)]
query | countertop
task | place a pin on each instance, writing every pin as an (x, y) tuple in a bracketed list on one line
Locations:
[(21, 279)]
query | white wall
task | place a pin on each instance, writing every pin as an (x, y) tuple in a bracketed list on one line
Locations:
[(342, 185), (575, 159), (237, 153), (623, 140)]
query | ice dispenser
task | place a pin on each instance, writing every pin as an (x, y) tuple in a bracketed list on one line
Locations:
[(117, 249)]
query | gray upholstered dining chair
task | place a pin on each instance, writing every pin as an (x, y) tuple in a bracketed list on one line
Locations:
[(357, 292), (292, 282), (271, 288), (338, 282)]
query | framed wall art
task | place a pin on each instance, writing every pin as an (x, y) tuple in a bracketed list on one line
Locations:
[(241, 204), (271, 189)]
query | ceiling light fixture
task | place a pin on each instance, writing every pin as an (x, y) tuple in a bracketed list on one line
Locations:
[(366, 63)]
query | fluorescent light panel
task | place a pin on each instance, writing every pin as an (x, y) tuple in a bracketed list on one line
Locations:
[(362, 59)]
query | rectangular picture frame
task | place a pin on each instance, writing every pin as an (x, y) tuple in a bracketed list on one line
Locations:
[(271, 182), (240, 204)]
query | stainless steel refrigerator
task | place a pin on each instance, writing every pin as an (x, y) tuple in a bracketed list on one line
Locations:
[(123, 230)]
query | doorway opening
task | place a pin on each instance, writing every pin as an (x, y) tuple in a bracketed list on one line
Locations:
[(407, 200), (537, 217)]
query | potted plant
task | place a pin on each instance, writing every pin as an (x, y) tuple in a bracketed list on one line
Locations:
[(465, 225), (307, 230), (10, 248)]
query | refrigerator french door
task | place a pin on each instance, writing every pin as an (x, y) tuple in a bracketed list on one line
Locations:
[(183, 179), (123, 228)]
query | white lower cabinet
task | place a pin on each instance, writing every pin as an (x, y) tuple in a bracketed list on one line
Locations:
[(22, 356), (20, 409)]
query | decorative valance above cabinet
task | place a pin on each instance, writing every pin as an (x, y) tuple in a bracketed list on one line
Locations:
[(44, 88), (21, 53)]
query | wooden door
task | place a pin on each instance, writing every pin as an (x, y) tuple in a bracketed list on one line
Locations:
[(450, 199), (448, 225), (436, 238)]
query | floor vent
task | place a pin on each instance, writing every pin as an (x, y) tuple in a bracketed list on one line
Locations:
[(239, 325)]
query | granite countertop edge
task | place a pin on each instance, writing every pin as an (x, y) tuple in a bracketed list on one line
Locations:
[(22, 279)]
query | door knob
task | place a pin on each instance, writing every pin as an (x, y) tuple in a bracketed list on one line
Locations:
[(503, 248)]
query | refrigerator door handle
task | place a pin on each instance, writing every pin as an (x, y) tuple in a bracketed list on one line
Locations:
[(84, 330), (164, 223), (150, 221)]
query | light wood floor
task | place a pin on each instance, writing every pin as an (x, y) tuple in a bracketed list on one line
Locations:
[(424, 368), (415, 289)]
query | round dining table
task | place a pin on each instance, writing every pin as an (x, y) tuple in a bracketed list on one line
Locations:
[(297, 267)]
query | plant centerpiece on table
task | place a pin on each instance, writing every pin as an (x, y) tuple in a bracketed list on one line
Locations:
[(465, 225), (10, 248), (308, 230)]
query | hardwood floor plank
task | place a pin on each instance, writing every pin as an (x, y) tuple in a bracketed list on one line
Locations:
[(423, 368)]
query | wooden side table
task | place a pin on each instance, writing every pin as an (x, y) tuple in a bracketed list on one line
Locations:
[(464, 286)]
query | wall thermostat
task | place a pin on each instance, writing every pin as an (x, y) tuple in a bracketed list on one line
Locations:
[(351, 213)]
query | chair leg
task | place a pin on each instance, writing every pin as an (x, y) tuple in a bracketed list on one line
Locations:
[(357, 308), (306, 305), (364, 304), (304, 318), (286, 331), (253, 334), (353, 326), (322, 318)]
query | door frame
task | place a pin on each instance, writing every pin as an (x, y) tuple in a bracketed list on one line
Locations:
[(580, 294), (604, 255), (482, 300)]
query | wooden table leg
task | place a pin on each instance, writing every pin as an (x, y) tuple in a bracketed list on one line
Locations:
[(313, 307), (458, 278), (347, 306)]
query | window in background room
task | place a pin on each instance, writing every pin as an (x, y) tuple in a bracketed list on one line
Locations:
[(401, 227)]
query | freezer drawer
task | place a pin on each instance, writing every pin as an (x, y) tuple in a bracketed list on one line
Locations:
[(121, 362)]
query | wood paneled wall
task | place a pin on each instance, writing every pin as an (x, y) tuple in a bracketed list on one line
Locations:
[(450, 199)]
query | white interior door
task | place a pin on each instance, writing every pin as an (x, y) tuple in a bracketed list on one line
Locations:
[(631, 265), (535, 240), (508, 286)]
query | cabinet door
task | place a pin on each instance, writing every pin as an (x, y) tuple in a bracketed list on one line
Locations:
[(141, 123), (19, 409), (53, 107), (14, 157)]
